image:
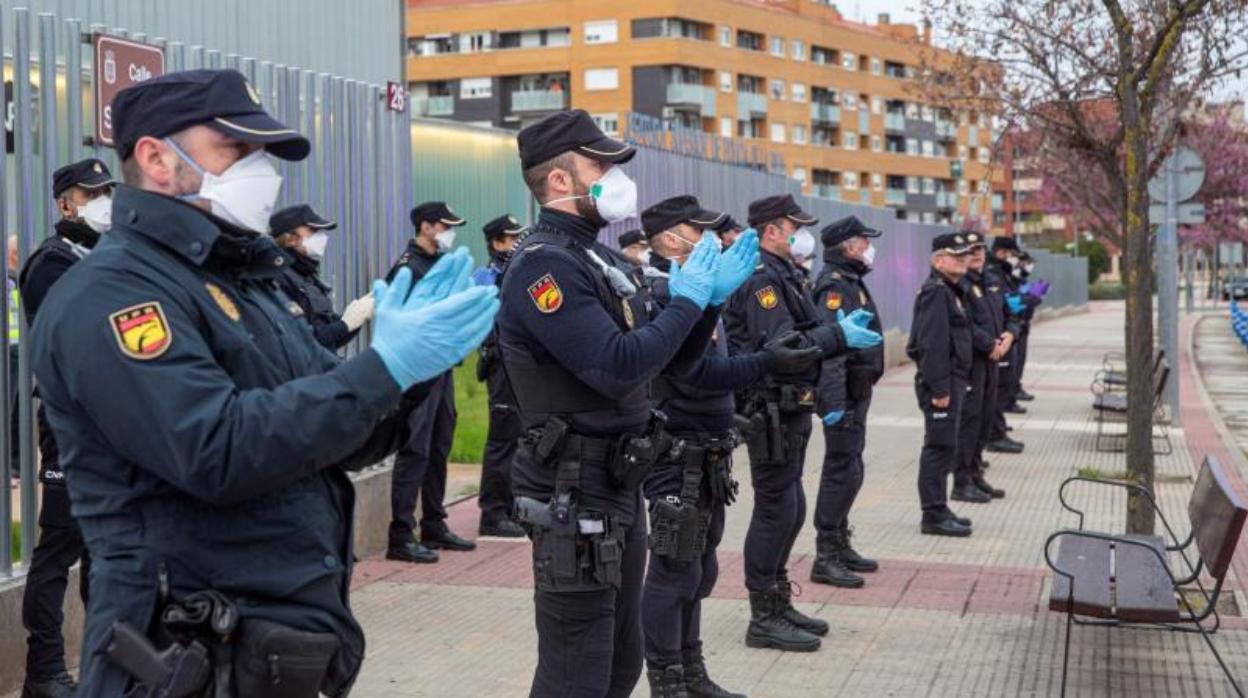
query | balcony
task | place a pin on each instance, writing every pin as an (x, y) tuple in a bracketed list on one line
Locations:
[(946, 130), (825, 113), (894, 122), (538, 100), (894, 197), (434, 106), (751, 104), (826, 191), (690, 95)]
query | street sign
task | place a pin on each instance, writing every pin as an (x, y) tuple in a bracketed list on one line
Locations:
[(396, 97), (120, 63), (1189, 214), (1190, 169)]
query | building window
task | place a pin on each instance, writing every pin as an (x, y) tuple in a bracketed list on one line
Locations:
[(849, 99), (929, 185), (929, 149), (849, 140), (799, 173), (608, 123), (605, 31), (928, 113), (877, 144), (777, 133), (799, 92), (777, 89), (912, 110), (912, 185), (877, 66), (877, 181), (964, 187), (984, 155), (983, 120), (877, 105), (725, 82), (849, 180), (929, 217), (725, 127), (798, 50), (963, 152), (799, 134), (849, 61), (912, 146), (476, 88), (777, 46), (602, 79), (725, 36)]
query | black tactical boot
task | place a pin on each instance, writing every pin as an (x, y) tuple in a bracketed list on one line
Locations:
[(445, 539), (986, 488), (1024, 395), (853, 561), (60, 685), (969, 493), (784, 587), (770, 628), (829, 567), (667, 683), (410, 551), (699, 685)]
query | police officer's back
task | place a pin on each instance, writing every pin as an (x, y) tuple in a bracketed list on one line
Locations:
[(205, 433)]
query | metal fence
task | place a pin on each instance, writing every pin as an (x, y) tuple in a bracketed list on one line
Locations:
[(359, 174), (1068, 277)]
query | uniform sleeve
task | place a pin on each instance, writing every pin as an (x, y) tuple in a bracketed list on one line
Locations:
[(756, 313), (726, 373), (554, 298), (694, 347), (35, 286), (831, 391), (177, 414), (333, 335), (982, 340), (931, 327)]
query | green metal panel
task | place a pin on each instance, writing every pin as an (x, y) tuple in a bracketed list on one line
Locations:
[(475, 170)]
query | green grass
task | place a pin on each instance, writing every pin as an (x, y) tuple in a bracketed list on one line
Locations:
[(472, 402), (1107, 291), (1098, 474), (17, 541)]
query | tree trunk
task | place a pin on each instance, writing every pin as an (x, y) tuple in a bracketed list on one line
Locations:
[(1138, 274)]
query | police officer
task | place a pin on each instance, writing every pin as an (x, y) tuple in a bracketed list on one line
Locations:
[(992, 337), (1000, 279), (635, 247), (83, 197), (776, 419), (689, 488), (420, 466), (206, 434), (581, 348), (1031, 299), (728, 230), (940, 346), (495, 496), (304, 235), (844, 397)]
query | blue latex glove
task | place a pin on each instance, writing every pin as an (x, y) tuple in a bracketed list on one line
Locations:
[(831, 418), (423, 334), (1025, 288), (736, 264), (1015, 302), (857, 334), (696, 280)]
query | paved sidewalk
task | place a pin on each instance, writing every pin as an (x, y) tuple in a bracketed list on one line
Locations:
[(943, 617)]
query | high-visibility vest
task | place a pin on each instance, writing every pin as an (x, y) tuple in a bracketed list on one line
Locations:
[(15, 325)]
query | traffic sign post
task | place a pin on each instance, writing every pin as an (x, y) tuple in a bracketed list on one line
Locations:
[(120, 63)]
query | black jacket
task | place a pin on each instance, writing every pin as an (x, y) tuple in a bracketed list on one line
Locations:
[(301, 282), (940, 336), (848, 377)]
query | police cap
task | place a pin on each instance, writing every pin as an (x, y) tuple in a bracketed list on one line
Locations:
[(780, 206), (220, 99), (841, 230), (88, 174), (436, 212), (291, 217), (669, 213), (569, 131), (951, 243), (975, 238), (632, 237), (503, 226), (1002, 242), (727, 225)]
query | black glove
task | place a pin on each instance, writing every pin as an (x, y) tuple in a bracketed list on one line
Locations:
[(786, 355)]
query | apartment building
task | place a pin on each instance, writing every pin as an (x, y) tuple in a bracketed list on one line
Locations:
[(835, 99)]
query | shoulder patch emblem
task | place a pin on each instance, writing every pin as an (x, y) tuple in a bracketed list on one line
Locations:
[(862, 297), (833, 301), (767, 297), (141, 330), (978, 292), (224, 302), (837, 275), (629, 318), (294, 309), (546, 294)]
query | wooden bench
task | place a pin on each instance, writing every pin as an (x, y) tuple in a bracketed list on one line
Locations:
[(1112, 377), (1111, 408), (1104, 579)]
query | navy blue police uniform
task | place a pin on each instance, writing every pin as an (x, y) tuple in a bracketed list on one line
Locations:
[(495, 498), (777, 413), (420, 466), (846, 383), (581, 347), (205, 435), (60, 540), (940, 346), (301, 279), (999, 279)]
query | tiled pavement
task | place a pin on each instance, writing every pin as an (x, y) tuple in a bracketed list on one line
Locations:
[(942, 618)]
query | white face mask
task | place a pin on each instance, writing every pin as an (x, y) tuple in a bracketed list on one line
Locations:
[(98, 214), (244, 194), (1016, 273), (614, 196), (314, 245), (802, 243), (1028, 268), (1012, 260), (445, 240), (644, 258), (868, 255)]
